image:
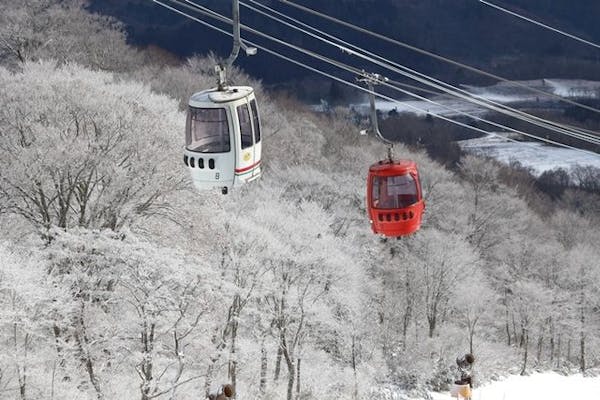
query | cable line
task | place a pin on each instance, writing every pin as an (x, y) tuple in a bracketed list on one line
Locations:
[(454, 91), (321, 33), (436, 56), (340, 65), (354, 70), (514, 14), (477, 118)]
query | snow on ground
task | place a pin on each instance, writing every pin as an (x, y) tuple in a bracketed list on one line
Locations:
[(445, 106), (574, 88), (539, 386), (503, 92), (538, 156)]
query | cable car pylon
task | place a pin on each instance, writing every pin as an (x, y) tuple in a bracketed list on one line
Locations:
[(223, 144), (394, 195)]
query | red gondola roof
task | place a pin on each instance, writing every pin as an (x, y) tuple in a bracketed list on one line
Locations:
[(394, 167)]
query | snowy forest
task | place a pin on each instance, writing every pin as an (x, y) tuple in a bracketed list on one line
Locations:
[(118, 280)]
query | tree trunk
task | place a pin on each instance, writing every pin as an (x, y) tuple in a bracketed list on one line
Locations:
[(471, 335), (405, 324), (409, 306), (263, 370), (82, 195), (416, 325), (525, 354), (22, 385), (558, 351), (552, 346), (82, 342), (507, 317), (177, 351), (22, 377), (52, 381), (233, 355), (298, 378), (582, 338), (540, 346), (278, 363), (147, 364), (431, 320), (290, 385), (281, 335), (355, 391), (21, 370), (514, 326), (582, 358), (522, 338), (288, 355), (219, 340), (209, 375), (59, 351)]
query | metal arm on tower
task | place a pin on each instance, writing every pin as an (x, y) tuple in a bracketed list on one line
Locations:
[(371, 79), (221, 69)]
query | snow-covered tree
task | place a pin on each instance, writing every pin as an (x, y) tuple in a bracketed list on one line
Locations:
[(150, 308), (444, 263), (582, 277), (33, 30), (81, 149), (279, 287), (475, 302), (24, 323)]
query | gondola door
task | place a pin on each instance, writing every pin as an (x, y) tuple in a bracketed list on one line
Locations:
[(210, 153), (256, 171), (249, 146)]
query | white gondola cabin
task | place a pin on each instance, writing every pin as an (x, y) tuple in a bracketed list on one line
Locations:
[(223, 138)]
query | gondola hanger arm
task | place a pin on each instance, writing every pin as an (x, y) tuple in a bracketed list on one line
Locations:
[(371, 79), (221, 69)]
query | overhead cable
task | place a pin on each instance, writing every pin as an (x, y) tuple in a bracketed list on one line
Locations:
[(320, 32), (436, 56), (341, 65), (430, 81), (561, 32)]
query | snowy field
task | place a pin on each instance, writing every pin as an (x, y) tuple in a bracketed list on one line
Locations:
[(538, 156), (504, 93), (540, 386)]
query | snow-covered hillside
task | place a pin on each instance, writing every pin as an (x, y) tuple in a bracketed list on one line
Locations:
[(503, 92), (539, 386), (538, 156), (118, 281)]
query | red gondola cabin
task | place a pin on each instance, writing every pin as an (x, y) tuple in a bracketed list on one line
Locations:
[(394, 198)]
